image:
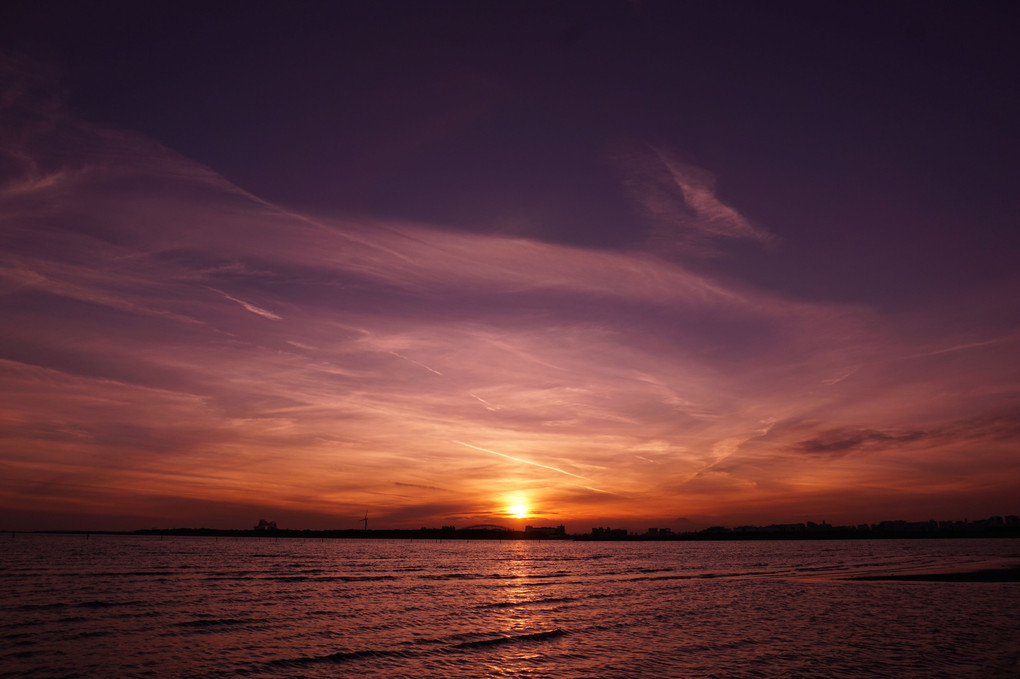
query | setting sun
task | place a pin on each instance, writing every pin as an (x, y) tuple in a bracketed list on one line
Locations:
[(518, 511)]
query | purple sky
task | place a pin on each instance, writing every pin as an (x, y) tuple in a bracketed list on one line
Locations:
[(670, 264)]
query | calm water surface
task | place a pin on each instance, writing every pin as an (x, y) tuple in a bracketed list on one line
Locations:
[(119, 606)]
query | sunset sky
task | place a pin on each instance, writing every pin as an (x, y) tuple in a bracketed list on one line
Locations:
[(628, 263)]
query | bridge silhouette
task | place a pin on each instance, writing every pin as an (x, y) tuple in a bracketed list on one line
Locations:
[(488, 526)]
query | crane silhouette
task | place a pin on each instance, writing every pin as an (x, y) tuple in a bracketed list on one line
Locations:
[(365, 520)]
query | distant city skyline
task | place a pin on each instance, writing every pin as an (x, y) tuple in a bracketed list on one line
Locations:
[(993, 526), (617, 263)]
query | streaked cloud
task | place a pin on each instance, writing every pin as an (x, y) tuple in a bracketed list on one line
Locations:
[(521, 460)]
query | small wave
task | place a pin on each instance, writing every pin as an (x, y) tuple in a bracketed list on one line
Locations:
[(230, 574), (40, 607), (119, 574), (107, 604), (87, 634), (215, 622), (339, 657), (456, 576), (516, 638), (815, 569), (529, 602), (348, 656), (657, 578)]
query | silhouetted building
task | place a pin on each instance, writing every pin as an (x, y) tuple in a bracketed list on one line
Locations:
[(266, 525), (608, 532), (546, 531)]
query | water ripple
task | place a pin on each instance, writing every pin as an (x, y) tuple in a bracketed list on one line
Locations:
[(135, 607)]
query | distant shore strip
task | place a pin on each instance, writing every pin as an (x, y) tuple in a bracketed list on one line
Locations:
[(971, 530)]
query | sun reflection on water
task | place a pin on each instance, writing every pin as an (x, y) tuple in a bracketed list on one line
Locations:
[(519, 613)]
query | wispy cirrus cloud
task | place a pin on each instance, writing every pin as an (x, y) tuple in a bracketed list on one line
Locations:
[(247, 306), (681, 200)]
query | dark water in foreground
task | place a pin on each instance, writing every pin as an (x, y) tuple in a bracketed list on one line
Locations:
[(118, 606)]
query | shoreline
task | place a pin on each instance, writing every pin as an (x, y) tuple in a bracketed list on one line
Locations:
[(468, 534), (1005, 574)]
